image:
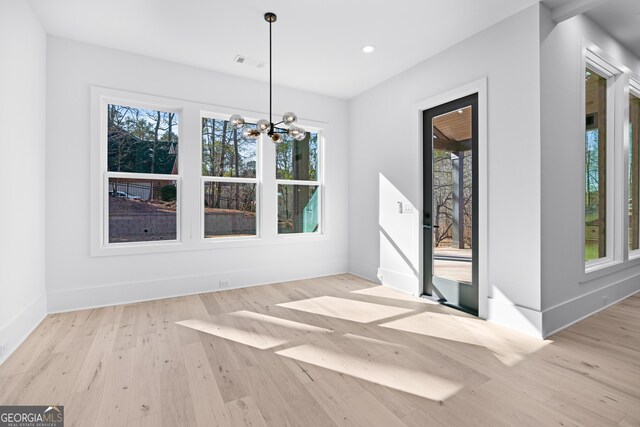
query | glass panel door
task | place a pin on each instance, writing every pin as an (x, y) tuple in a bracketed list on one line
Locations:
[(450, 230)]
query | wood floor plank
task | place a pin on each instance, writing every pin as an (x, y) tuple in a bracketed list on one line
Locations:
[(127, 329), (209, 407), (93, 370), (337, 350), (116, 392), (80, 409), (145, 395), (244, 412)]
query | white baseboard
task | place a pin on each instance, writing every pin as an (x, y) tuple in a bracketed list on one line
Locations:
[(513, 316), (563, 315), (402, 282), (132, 292), (363, 270), (516, 317), (20, 327)]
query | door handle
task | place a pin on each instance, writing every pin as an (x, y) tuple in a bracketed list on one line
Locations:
[(429, 226)]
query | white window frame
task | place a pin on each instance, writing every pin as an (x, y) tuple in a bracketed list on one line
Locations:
[(234, 180), (158, 105), (317, 183), (190, 201), (633, 89), (614, 255)]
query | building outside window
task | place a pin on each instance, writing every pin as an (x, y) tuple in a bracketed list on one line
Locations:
[(142, 174)]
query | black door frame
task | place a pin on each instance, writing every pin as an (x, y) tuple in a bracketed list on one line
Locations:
[(471, 292)]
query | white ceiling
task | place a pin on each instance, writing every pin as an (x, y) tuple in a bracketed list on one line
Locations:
[(317, 43), (621, 19)]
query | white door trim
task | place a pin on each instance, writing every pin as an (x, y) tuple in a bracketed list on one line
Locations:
[(480, 87)]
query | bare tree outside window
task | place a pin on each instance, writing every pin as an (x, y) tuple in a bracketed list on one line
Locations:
[(141, 142), (595, 166), (298, 204), (229, 169)]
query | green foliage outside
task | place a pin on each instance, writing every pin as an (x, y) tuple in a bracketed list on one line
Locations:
[(141, 140), (285, 152), (168, 193)]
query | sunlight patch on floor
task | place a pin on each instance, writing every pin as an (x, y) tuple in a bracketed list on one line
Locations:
[(411, 381), (346, 309), (387, 292), (508, 346), (436, 325), (246, 335), (373, 341), (277, 321)]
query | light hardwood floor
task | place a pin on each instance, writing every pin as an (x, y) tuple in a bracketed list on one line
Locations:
[(330, 351)]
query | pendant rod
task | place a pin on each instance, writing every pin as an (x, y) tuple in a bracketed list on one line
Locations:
[(270, 79)]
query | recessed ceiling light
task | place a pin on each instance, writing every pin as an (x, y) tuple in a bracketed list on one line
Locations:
[(368, 48)]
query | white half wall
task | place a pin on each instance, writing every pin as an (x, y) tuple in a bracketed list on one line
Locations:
[(22, 173), (567, 295), (385, 167), (77, 280)]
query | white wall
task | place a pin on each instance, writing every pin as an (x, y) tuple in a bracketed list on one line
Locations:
[(385, 167), (22, 165), (566, 295), (373, 145), (74, 278)]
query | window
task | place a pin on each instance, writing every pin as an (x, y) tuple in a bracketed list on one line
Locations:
[(299, 189), (173, 175), (595, 165), (634, 170), (142, 179), (229, 166)]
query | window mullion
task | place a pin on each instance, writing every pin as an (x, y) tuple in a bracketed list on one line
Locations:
[(135, 175), (230, 179), (269, 194), (297, 182)]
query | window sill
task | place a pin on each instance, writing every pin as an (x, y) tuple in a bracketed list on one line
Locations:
[(301, 236), (599, 270), (136, 248), (634, 255), (204, 244)]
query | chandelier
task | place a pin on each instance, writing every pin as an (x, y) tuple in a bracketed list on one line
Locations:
[(267, 126)]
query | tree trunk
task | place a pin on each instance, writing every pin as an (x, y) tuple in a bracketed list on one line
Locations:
[(155, 143), (300, 166), (174, 168), (153, 154), (210, 148), (237, 161), (223, 144), (211, 162)]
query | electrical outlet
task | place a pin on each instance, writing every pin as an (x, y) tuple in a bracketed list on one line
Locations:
[(223, 283), (605, 300)]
